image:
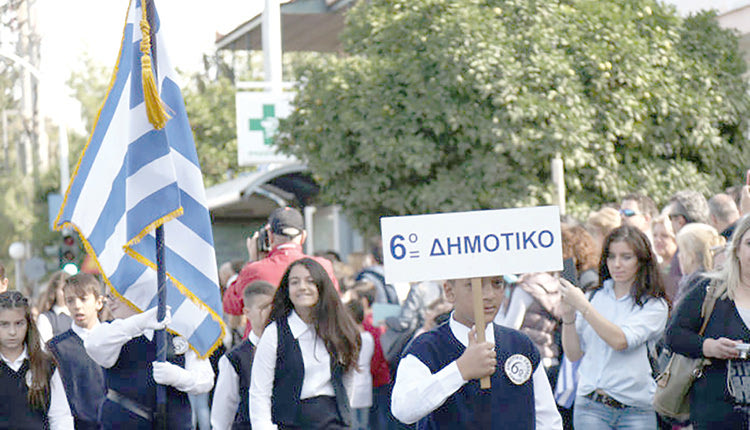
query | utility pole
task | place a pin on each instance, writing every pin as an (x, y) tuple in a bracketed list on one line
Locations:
[(272, 45)]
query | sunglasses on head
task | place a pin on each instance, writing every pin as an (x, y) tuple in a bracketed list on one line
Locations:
[(628, 212)]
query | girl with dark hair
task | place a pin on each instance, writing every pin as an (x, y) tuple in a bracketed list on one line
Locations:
[(609, 329), (306, 356), (31, 391), (54, 317)]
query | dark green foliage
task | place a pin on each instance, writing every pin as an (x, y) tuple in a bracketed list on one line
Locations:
[(446, 105)]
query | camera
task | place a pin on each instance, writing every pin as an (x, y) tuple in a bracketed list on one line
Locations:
[(744, 349), (263, 242)]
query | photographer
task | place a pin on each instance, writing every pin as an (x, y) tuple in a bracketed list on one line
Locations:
[(286, 235)]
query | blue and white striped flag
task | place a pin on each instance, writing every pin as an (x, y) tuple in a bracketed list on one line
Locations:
[(131, 178)]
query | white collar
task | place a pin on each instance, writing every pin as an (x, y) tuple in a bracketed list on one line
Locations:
[(82, 332), (57, 309), (296, 325), (461, 332), (16, 364), (253, 338)]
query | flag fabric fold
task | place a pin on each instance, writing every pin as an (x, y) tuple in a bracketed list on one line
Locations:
[(132, 178)]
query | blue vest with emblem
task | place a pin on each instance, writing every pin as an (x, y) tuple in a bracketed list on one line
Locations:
[(15, 411), (504, 406), (132, 377), (241, 359), (288, 376), (82, 377)]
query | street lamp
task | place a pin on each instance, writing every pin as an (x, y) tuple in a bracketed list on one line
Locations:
[(17, 251)]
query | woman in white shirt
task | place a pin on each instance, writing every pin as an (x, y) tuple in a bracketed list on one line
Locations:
[(306, 355), (609, 330)]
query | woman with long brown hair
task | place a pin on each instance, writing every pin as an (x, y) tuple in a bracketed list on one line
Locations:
[(31, 391), (301, 374), (609, 329)]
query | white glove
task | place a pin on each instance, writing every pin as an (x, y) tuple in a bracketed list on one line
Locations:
[(166, 373), (147, 321)]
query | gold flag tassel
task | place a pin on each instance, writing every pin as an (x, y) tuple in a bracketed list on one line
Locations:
[(155, 107)]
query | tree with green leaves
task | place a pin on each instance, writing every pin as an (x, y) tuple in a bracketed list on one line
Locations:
[(448, 105)]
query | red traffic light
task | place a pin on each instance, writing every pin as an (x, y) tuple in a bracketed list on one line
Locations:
[(69, 241)]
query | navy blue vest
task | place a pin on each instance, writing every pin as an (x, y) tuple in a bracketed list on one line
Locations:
[(288, 376), (15, 411), (241, 358), (82, 377), (505, 406), (132, 377)]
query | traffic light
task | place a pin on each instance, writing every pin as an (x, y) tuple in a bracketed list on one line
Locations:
[(69, 253)]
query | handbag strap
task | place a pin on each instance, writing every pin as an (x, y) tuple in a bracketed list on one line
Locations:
[(708, 305)]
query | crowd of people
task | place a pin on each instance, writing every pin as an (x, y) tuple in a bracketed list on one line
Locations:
[(308, 348)]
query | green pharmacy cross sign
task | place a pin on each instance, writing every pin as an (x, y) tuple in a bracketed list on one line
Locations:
[(268, 124)]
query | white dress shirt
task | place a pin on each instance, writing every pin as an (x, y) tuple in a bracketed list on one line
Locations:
[(417, 391), (105, 341), (227, 392), (317, 369), (45, 327), (625, 375), (362, 378), (59, 415), (83, 332)]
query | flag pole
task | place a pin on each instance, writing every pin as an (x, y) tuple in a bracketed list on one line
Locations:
[(158, 118), (161, 335)]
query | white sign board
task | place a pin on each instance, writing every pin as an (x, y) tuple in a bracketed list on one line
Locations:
[(258, 115), (471, 244)]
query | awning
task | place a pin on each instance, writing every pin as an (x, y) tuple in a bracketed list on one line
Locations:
[(306, 25), (257, 194)]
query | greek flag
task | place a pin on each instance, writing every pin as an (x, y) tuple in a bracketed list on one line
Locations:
[(133, 177), (567, 382)]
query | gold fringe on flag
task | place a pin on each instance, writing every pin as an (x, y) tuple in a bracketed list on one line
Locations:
[(155, 108)]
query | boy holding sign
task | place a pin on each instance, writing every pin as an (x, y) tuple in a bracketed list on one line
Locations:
[(437, 382)]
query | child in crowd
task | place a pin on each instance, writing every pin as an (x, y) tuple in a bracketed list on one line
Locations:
[(381, 373), (82, 378), (54, 317), (361, 399), (126, 348), (31, 391), (230, 408), (437, 382), (306, 355)]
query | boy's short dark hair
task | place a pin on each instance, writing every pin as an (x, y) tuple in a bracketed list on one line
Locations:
[(257, 288), (83, 284), (366, 290), (356, 310)]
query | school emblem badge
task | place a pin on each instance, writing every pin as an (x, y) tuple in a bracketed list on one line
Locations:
[(180, 345), (518, 368)]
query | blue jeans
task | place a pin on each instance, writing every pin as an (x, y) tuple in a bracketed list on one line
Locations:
[(590, 415)]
